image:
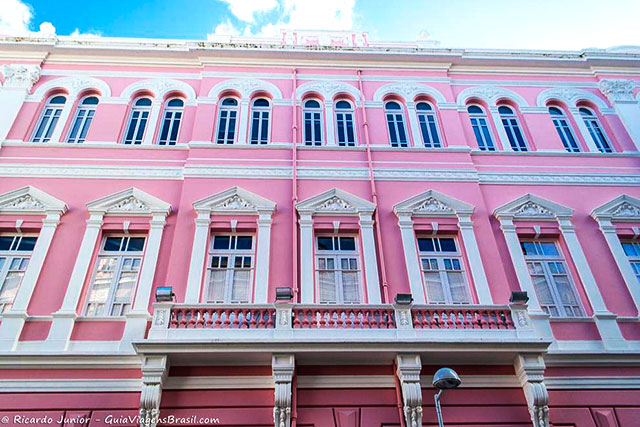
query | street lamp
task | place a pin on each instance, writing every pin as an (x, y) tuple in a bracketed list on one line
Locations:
[(444, 379)]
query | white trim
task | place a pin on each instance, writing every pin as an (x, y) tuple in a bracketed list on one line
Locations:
[(328, 89), (246, 87), (369, 257), (73, 85), (131, 201), (70, 385), (587, 383), (570, 97), (408, 91), (219, 382), (159, 87), (491, 95)]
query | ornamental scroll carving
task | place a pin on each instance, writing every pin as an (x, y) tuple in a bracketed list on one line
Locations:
[(21, 76), (532, 209), (335, 204), (23, 203), (431, 205), (283, 366), (618, 90), (234, 202), (530, 372), (128, 205), (625, 210), (408, 370), (154, 373)]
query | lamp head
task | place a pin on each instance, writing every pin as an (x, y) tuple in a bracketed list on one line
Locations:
[(164, 294), (284, 294), (446, 378), (404, 299)]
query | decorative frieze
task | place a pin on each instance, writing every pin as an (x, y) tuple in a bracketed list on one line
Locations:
[(282, 366), (618, 90), (21, 76), (408, 367)]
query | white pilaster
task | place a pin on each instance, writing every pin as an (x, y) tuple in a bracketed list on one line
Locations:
[(19, 79), (306, 259), (330, 118), (620, 93), (154, 116), (62, 121), (408, 367), (475, 262), (413, 123), (243, 121), (591, 145), (64, 319), (155, 370), (411, 258), (370, 259), (262, 258), (503, 139), (198, 253), (283, 366), (13, 320)]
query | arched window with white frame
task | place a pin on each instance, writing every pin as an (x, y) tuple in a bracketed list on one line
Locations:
[(82, 121), (344, 123), (561, 123), (395, 124), (479, 124), (260, 121), (312, 117), (138, 121), (512, 127), (172, 117), (49, 119), (595, 130), (428, 125), (227, 121)]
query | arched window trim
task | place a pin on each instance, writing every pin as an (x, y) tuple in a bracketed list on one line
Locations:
[(513, 128), (349, 136), (82, 119), (482, 131), (229, 117), (595, 128), (564, 128), (430, 132), (138, 119), (396, 126), (313, 125), (49, 118), (172, 117), (262, 119)]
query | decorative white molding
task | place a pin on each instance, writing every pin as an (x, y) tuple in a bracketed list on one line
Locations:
[(40, 385), (328, 89), (408, 367), (408, 91), (21, 76), (30, 201), (283, 366), (73, 85), (622, 208), (530, 372), (335, 201), (160, 87), (245, 87), (570, 97), (155, 370), (618, 90), (131, 201), (235, 200), (532, 207), (433, 203), (491, 95)]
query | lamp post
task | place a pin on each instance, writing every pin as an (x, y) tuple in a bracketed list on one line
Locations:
[(444, 379)]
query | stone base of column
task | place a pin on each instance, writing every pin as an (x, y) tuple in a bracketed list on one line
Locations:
[(10, 329), (134, 329), (60, 332), (609, 330)]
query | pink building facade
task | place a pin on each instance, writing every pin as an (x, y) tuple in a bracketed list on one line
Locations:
[(343, 173)]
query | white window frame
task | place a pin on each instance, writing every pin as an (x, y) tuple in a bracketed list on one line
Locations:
[(342, 123), (545, 260), (423, 119), (634, 260), (49, 119), (9, 257), (231, 255), (262, 111), (590, 122), (512, 124), (396, 124), (337, 256), (317, 116), (475, 120), (120, 255), (137, 113), (82, 124), (565, 131), (440, 258), (174, 120), (224, 113)]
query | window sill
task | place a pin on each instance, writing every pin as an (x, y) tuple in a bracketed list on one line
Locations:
[(101, 319), (571, 319), (93, 144)]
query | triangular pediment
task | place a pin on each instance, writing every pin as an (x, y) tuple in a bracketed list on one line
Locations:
[(30, 200), (622, 208), (335, 201), (131, 201), (531, 206), (433, 203), (235, 200)]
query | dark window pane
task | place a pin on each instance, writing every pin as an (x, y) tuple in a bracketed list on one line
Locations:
[(27, 243), (325, 243), (312, 104), (549, 248), (58, 100), (448, 245), (425, 245), (221, 242), (555, 111), (343, 105), (244, 242), (528, 248), (92, 100), (261, 103), (5, 242), (175, 103), (474, 109), (347, 244), (144, 102), (136, 244), (423, 106), (505, 110), (585, 112), (229, 101), (393, 106), (629, 250), (112, 243)]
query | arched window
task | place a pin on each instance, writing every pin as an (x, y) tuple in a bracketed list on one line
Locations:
[(173, 111), (563, 128), (227, 121), (344, 124), (312, 114), (512, 128), (395, 124), (138, 121), (595, 130), (480, 128), (428, 126), (260, 121), (49, 119), (84, 116)]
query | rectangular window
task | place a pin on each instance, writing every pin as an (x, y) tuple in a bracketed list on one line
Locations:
[(338, 270), (230, 269), (551, 279), (632, 249), (260, 127), (346, 136), (397, 133), (115, 276), (442, 271), (312, 128), (15, 251)]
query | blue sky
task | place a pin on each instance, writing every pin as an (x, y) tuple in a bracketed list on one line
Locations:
[(524, 24)]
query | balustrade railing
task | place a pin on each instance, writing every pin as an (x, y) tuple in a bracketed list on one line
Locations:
[(328, 317), (463, 317), (222, 318)]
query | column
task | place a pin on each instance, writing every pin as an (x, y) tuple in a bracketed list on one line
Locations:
[(282, 366), (137, 318), (620, 94), (62, 121), (413, 123), (330, 119), (152, 124), (243, 121), (13, 320), (155, 370), (414, 272), (475, 262), (408, 367), (530, 371), (503, 139), (605, 320), (262, 258), (370, 260), (64, 319), (198, 253), (591, 145), (610, 235), (19, 79), (306, 259)]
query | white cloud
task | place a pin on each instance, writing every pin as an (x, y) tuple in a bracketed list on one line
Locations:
[(15, 20), (246, 9), (86, 36)]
